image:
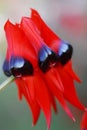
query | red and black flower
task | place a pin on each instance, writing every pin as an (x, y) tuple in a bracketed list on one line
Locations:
[(40, 62)]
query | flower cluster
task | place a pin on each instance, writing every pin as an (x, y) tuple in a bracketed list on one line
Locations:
[(41, 64)]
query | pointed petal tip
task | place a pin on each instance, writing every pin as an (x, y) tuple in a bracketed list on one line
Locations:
[(48, 128), (74, 120), (33, 124), (25, 21), (85, 109), (7, 24), (48, 121), (33, 11), (56, 111), (78, 80)]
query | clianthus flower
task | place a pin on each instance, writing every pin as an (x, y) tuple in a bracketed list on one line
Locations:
[(41, 64), (83, 125)]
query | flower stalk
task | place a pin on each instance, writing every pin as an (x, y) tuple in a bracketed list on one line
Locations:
[(6, 82)]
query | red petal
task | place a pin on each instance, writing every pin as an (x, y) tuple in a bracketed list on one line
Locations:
[(42, 97), (32, 33), (18, 43), (20, 86), (69, 70), (53, 78), (7, 55), (53, 101), (56, 92), (69, 88), (83, 125), (46, 33), (29, 81), (24, 90)]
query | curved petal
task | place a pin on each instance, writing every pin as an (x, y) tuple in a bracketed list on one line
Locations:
[(52, 77), (69, 70), (42, 97), (18, 44), (69, 88), (56, 92), (32, 33), (46, 33), (53, 101), (24, 90)]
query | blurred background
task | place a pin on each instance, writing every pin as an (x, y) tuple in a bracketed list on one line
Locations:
[(68, 18)]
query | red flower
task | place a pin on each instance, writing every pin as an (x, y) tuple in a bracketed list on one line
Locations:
[(40, 62), (84, 122)]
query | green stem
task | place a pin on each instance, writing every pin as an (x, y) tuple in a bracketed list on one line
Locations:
[(7, 82)]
